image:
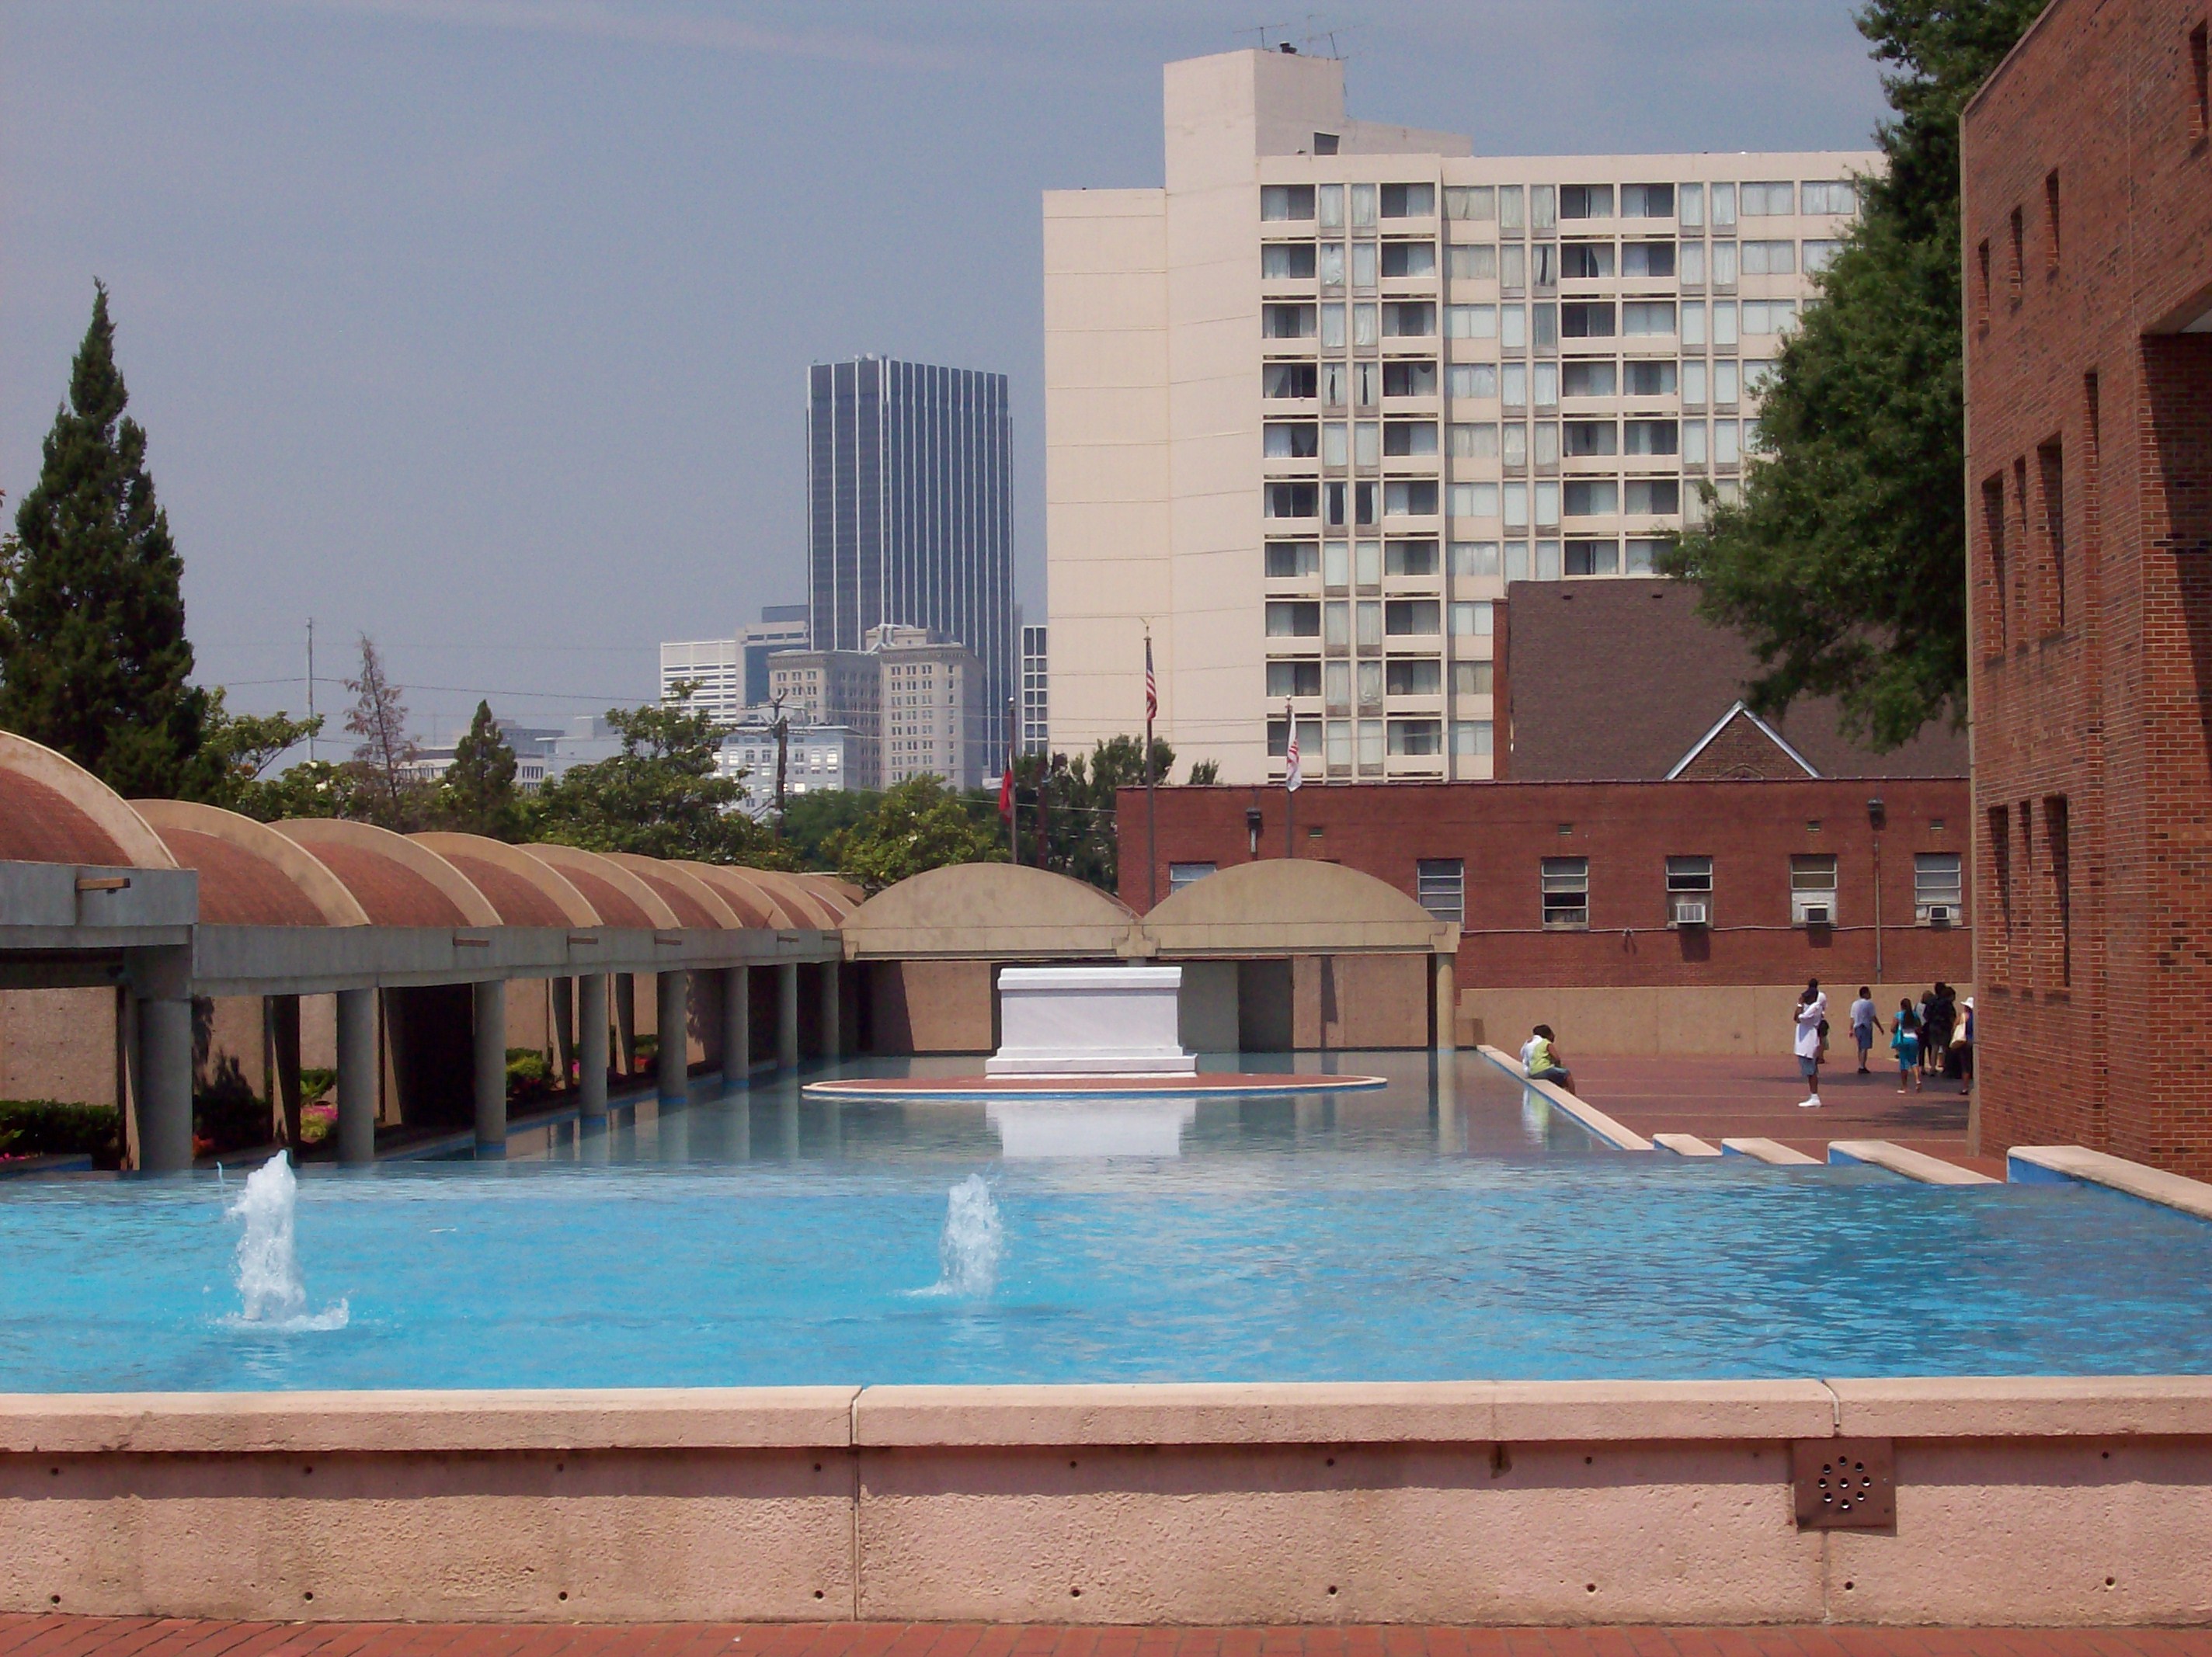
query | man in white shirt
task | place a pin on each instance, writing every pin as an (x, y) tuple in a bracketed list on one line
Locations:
[(1865, 1021), (1812, 1013)]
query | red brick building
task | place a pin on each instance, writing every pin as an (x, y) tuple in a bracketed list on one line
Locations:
[(2088, 243), (1664, 870)]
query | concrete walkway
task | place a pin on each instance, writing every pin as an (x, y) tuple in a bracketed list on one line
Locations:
[(87, 1637), (1734, 1096)]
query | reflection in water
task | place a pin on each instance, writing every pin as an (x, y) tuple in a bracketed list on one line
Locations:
[(1150, 1126)]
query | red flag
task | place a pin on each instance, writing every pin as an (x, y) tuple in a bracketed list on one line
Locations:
[(1006, 791)]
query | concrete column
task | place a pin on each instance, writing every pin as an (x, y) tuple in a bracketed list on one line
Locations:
[(736, 1025), (1447, 1006), (282, 1014), (673, 1005), (832, 1012), (591, 1045), (626, 1022), (356, 1023), (786, 1015), (490, 1042), (563, 991), (165, 1084)]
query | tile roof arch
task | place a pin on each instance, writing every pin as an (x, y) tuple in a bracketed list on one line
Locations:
[(397, 882), (971, 911), (619, 897), (1294, 906), (526, 891), (752, 901), (807, 907), (251, 875), (54, 810), (695, 904)]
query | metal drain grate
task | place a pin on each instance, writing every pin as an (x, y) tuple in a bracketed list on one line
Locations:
[(1845, 1484)]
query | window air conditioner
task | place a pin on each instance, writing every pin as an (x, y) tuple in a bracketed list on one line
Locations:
[(1813, 915), (1939, 914), (1689, 914)]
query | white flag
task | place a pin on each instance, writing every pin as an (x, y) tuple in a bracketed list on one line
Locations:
[(1292, 775)]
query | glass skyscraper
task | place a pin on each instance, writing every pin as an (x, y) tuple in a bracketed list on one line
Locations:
[(909, 516)]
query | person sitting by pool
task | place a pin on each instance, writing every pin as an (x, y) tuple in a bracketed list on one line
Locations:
[(1539, 1057)]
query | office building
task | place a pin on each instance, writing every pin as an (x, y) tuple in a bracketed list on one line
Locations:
[(909, 510), (814, 761), (908, 700), (1036, 714), (732, 674), (715, 670), (2087, 220), (1310, 406)]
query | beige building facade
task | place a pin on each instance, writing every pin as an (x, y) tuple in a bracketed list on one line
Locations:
[(912, 704), (1311, 405)]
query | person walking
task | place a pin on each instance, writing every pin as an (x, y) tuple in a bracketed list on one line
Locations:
[(1904, 1042), (1812, 1014), (1864, 1023)]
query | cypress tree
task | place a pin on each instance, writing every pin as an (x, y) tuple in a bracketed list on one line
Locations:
[(478, 796), (93, 660)]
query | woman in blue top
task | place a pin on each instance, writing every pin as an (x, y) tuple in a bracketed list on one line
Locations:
[(1904, 1042)]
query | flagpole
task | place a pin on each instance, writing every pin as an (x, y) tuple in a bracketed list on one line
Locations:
[(1151, 797)]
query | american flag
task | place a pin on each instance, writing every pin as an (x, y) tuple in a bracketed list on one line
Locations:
[(1291, 778), (1152, 685)]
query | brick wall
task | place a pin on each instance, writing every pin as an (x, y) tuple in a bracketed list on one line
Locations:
[(2087, 244), (1501, 833)]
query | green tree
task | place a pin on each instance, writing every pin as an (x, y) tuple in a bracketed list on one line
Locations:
[(918, 825), (1844, 565), (387, 791), (1077, 799), (93, 660), (1205, 774), (238, 748), (663, 795), (810, 819), (313, 788), (478, 795)]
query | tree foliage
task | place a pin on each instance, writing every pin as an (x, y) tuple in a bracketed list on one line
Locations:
[(1069, 804), (93, 660), (477, 794), (236, 749), (919, 824), (662, 796), (1843, 564)]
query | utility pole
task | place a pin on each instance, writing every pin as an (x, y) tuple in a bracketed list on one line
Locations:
[(311, 690), (1013, 794), (782, 761)]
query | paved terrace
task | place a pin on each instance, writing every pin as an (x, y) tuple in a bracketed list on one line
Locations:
[(1752, 1096), (91, 1636)]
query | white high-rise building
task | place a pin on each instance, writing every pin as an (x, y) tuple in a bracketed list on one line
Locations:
[(1311, 405)]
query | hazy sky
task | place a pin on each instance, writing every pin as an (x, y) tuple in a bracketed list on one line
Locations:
[(481, 326)]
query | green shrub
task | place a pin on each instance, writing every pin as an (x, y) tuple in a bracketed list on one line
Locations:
[(529, 1077), (315, 1082), (45, 1127)]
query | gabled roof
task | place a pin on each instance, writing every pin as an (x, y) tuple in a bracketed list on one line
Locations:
[(1616, 680), (1740, 711)]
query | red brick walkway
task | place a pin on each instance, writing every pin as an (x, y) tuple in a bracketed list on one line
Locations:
[(1732, 1097), (95, 1636)]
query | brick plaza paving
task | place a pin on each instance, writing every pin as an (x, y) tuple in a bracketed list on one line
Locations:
[(97, 1636), (1756, 1096)]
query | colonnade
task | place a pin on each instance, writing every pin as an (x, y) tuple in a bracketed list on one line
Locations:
[(358, 1061)]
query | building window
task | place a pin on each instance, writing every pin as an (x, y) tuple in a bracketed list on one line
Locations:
[(2017, 224), (2056, 835), (2200, 88), (1290, 439), (1441, 884), (1403, 616), (1769, 200), (1291, 560), (1937, 893), (1689, 891), (1291, 620), (1409, 200), (2050, 469), (1288, 321), (1768, 258), (2051, 223), (1993, 530), (1813, 890), (1286, 261), (1586, 319), (1586, 201), (1471, 678), (1290, 379), (1593, 558), (1474, 201), (1566, 894), (1293, 678), (1471, 738), (1409, 258), (1180, 875), (1417, 737), (1419, 676), (1281, 202), (1819, 255)]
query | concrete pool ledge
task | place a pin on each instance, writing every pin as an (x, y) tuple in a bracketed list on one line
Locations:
[(218, 1423), (1612, 1132), (2027, 1406), (2077, 1164), (1767, 1151), (1899, 1160)]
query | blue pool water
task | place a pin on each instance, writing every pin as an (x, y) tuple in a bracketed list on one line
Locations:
[(1417, 1233)]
